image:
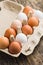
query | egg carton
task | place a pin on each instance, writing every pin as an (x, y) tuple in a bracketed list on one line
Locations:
[(8, 12)]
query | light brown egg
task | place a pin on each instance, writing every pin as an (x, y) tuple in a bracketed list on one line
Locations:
[(15, 47), (16, 24), (9, 32), (4, 42), (27, 9), (26, 29), (33, 21)]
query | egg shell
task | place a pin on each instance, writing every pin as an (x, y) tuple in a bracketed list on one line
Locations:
[(33, 21), (27, 30), (14, 47), (38, 14), (10, 31), (22, 16), (21, 38), (4, 42), (27, 9), (16, 24)]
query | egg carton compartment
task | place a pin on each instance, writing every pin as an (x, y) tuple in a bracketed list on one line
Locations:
[(9, 11)]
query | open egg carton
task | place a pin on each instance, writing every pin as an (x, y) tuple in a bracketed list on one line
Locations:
[(8, 12)]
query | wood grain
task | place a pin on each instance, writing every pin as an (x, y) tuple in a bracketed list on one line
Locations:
[(36, 58)]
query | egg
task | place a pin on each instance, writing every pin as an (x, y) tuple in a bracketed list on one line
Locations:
[(16, 24), (27, 9), (4, 42), (22, 17), (38, 14), (33, 21), (10, 31), (26, 29), (15, 47), (21, 38)]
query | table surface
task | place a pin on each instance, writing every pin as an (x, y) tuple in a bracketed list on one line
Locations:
[(36, 58)]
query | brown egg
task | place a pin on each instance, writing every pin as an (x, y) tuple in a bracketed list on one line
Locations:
[(26, 29), (9, 32), (16, 24), (33, 21), (4, 42), (27, 9), (14, 47)]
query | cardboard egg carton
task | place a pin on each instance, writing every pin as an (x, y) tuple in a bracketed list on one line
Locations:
[(9, 11)]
